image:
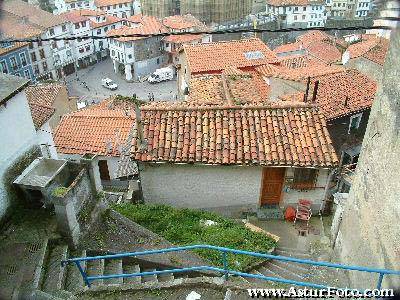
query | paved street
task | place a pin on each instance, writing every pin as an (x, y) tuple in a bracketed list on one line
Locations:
[(92, 76)]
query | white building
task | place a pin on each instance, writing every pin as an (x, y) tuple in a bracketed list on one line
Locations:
[(21, 129), (186, 23), (304, 13), (118, 8), (63, 6), (83, 48), (362, 8), (135, 57), (22, 20)]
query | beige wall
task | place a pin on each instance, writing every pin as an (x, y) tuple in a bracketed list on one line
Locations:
[(63, 105)]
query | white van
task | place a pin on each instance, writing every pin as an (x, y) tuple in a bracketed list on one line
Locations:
[(162, 74)]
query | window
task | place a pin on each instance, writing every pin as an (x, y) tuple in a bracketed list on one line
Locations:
[(36, 69), (72, 5), (41, 53), (83, 24), (108, 7), (44, 64), (296, 8), (51, 31), (112, 26), (76, 25), (112, 52), (69, 53), (98, 31), (87, 48), (39, 43), (158, 61), (304, 179), (22, 56), (354, 122), (81, 50), (64, 28), (101, 45), (13, 62), (27, 74), (3, 67), (295, 18), (120, 6), (166, 44), (30, 45), (129, 56), (303, 17), (105, 29), (33, 56), (114, 6)]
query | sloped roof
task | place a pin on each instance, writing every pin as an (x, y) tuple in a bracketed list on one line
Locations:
[(183, 38), (11, 85), (40, 99), (14, 46), (294, 2), (101, 3), (32, 14), (217, 56), (109, 20), (279, 135), (75, 16), (378, 53), (181, 22), (144, 25), (99, 129), (13, 26)]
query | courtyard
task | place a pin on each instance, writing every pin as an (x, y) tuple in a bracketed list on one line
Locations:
[(86, 84)]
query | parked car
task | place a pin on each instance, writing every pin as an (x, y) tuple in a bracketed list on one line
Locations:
[(162, 74), (109, 84)]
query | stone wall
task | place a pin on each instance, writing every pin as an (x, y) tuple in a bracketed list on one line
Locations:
[(369, 234)]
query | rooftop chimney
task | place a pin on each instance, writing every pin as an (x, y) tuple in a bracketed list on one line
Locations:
[(315, 91), (139, 127), (307, 89), (346, 101)]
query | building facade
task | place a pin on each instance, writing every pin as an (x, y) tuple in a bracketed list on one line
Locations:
[(160, 8), (15, 60), (63, 6), (304, 14)]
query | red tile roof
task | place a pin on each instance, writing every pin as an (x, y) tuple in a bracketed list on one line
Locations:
[(324, 51), (378, 53), (231, 87), (14, 46), (183, 22), (33, 15), (75, 16), (12, 26), (145, 25), (41, 98), (334, 89), (298, 68), (109, 20), (101, 3), (185, 38), (360, 48), (99, 129), (274, 135), (294, 2), (218, 56)]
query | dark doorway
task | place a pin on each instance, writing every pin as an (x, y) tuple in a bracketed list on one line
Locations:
[(103, 169)]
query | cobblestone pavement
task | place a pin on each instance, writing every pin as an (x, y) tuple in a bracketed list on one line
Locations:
[(86, 84)]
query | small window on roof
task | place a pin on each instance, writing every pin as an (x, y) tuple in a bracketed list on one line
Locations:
[(253, 55)]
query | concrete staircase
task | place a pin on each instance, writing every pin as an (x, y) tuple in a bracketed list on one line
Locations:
[(282, 269), (37, 272)]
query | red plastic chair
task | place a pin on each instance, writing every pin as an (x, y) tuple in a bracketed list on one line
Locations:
[(303, 211)]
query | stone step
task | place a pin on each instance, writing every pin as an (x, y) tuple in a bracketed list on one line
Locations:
[(293, 250), (131, 269), (54, 276), (113, 267), (284, 272), (95, 268), (300, 269), (74, 280), (268, 272), (149, 278), (34, 260), (165, 277), (300, 255)]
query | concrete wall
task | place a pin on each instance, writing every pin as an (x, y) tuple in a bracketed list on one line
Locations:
[(227, 189), (369, 234)]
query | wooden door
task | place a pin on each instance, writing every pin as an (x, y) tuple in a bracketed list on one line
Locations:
[(271, 186), (103, 169)]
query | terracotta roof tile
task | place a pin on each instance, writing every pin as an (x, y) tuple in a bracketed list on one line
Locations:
[(99, 129), (218, 56), (262, 135), (378, 53), (14, 46), (145, 25), (293, 2), (40, 99), (109, 20), (101, 3), (75, 16), (184, 38), (183, 22), (12, 26), (360, 48), (340, 94), (35, 16)]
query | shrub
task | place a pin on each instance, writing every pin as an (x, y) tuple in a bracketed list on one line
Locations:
[(182, 227)]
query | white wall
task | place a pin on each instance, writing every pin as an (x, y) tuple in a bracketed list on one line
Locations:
[(200, 186), (210, 187)]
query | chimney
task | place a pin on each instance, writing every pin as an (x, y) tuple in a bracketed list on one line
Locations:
[(307, 89), (346, 101), (227, 93), (139, 127), (315, 91)]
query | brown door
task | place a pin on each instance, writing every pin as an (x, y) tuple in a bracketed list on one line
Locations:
[(103, 169), (271, 186)]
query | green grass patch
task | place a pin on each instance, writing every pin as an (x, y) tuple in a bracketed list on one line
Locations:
[(183, 227)]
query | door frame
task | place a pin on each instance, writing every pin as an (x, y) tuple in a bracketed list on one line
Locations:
[(262, 184)]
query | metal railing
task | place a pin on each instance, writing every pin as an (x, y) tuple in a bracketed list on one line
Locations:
[(225, 270)]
